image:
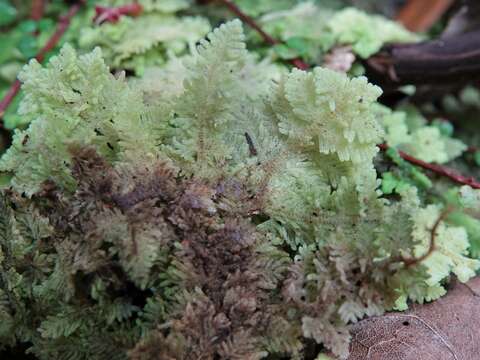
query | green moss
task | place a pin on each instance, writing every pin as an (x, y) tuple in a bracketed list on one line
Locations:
[(235, 215)]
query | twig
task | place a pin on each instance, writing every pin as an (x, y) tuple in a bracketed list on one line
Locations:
[(421, 15), (38, 7), (249, 21), (450, 61), (300, 64), (437, 169), (63, 23), (8, 98), (113, 14), (431, 248)]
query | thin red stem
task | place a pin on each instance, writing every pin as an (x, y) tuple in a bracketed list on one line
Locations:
[(8, 98), (437, 169), (249, 21), (38, 7), (36, 13), (299, 63), (63, 23), (113, 14), (431, 248)]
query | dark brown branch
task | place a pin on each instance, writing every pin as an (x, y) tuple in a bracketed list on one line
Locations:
[(454, 60), (266, 37), (63, 23), (437, 169)]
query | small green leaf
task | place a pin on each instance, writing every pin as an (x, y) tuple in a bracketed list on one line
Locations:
[(285, 52), (391, 184), (8, 42), (28, 46), (7, 13), (5, 180), (408, 89), (295, 47), (445, 127), (421, 179), (298, 43), (28, 26), (476, 157), (45, 25), (415, 174), (11, 118)]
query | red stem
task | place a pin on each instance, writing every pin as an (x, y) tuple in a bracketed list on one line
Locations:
[(113, 14), (249, 21), (437, 169), (299, 63), (8, 98), (431, 248), (63, 23), (38, 6)]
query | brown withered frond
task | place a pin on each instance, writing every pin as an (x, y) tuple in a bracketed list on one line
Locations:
[(144, 236)]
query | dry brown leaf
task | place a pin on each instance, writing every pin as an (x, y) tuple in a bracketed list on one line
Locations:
[(446, 329)]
